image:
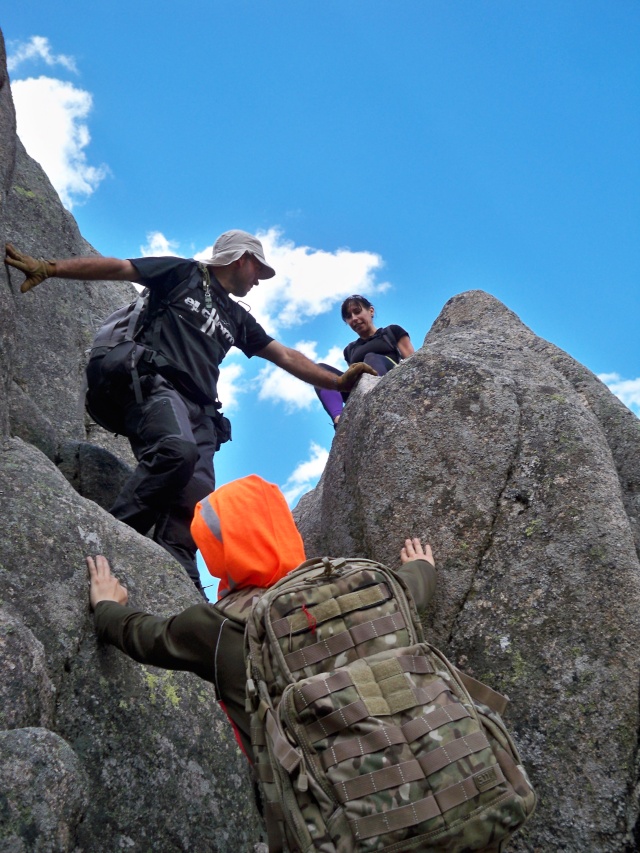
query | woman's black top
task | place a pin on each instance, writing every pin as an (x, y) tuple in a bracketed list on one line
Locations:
[(383, 341)]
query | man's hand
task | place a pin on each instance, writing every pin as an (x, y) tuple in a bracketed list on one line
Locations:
[(35, 269), (104, 586), (413, 550), (352, 374)]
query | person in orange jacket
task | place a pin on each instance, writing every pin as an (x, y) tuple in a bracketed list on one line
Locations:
[(248, 537)]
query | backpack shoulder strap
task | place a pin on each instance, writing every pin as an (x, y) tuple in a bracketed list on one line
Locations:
[(122, 324), (391, 341), (139, 306), (154, 318)]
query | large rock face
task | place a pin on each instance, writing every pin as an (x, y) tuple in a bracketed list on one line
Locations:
[(523, 470), (517, 464), (54, 323), (97, 753), (128, 757)]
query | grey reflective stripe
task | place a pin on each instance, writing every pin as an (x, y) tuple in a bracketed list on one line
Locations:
[(215, 661), (211, 519)]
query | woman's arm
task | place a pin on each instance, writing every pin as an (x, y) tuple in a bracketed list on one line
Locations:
[(405, 346)]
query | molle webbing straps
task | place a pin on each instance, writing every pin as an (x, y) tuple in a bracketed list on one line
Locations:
[(258, 734), (358, 746), (378, 780), (265, 772), (396, 819), (381, 706), (310, 693), (331, 608), (469, 788), (427, 808), (333, 646), (283, 751), (389, 735), (374, 741), (441, 756), (315, 690), (427, 723), (337, 721)]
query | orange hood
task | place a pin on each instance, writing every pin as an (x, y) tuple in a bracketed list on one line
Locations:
[(246, 534)]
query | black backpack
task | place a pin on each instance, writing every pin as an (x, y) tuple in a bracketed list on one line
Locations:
[(117, 357)]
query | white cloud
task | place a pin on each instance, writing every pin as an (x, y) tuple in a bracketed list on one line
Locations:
[(335, 358), (278, 386), (158, 245), (627, 390), (306, 474), (230, 386), (51, 124), (308, 281), (38, 48)]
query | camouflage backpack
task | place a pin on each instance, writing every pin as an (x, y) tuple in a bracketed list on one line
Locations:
[(366, 737)]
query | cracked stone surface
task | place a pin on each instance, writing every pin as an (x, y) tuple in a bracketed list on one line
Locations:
[(523, 470), (146, 757), (97, 753), (519, 466)]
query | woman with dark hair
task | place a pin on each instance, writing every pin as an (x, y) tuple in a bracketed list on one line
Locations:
[(381, 348)]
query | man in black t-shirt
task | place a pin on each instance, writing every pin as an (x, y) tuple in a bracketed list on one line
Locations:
[(162, 393)]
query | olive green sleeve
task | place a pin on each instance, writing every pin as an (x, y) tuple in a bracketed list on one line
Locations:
[(421, 578), (199, 639), (185, 641)]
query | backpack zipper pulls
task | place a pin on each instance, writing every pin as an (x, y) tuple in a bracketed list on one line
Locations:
[(332, 566), (303, 782), (311, 619)]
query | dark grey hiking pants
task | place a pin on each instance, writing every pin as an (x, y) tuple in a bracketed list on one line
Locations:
[(173, 441)]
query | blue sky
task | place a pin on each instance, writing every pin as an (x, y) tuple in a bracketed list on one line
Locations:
[(407, 149)]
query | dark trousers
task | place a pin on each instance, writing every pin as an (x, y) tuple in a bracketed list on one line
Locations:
[(173, 441)]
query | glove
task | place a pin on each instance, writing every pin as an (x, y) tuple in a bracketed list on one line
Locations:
[(352, 374), (35, 269)]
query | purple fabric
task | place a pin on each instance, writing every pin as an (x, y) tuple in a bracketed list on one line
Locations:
[(331, 400)]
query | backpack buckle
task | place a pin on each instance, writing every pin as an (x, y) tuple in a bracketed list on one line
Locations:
[(332, 567)]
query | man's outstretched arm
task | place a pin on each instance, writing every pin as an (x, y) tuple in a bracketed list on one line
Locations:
[(181, 642), (96, 268), (301, 367)]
